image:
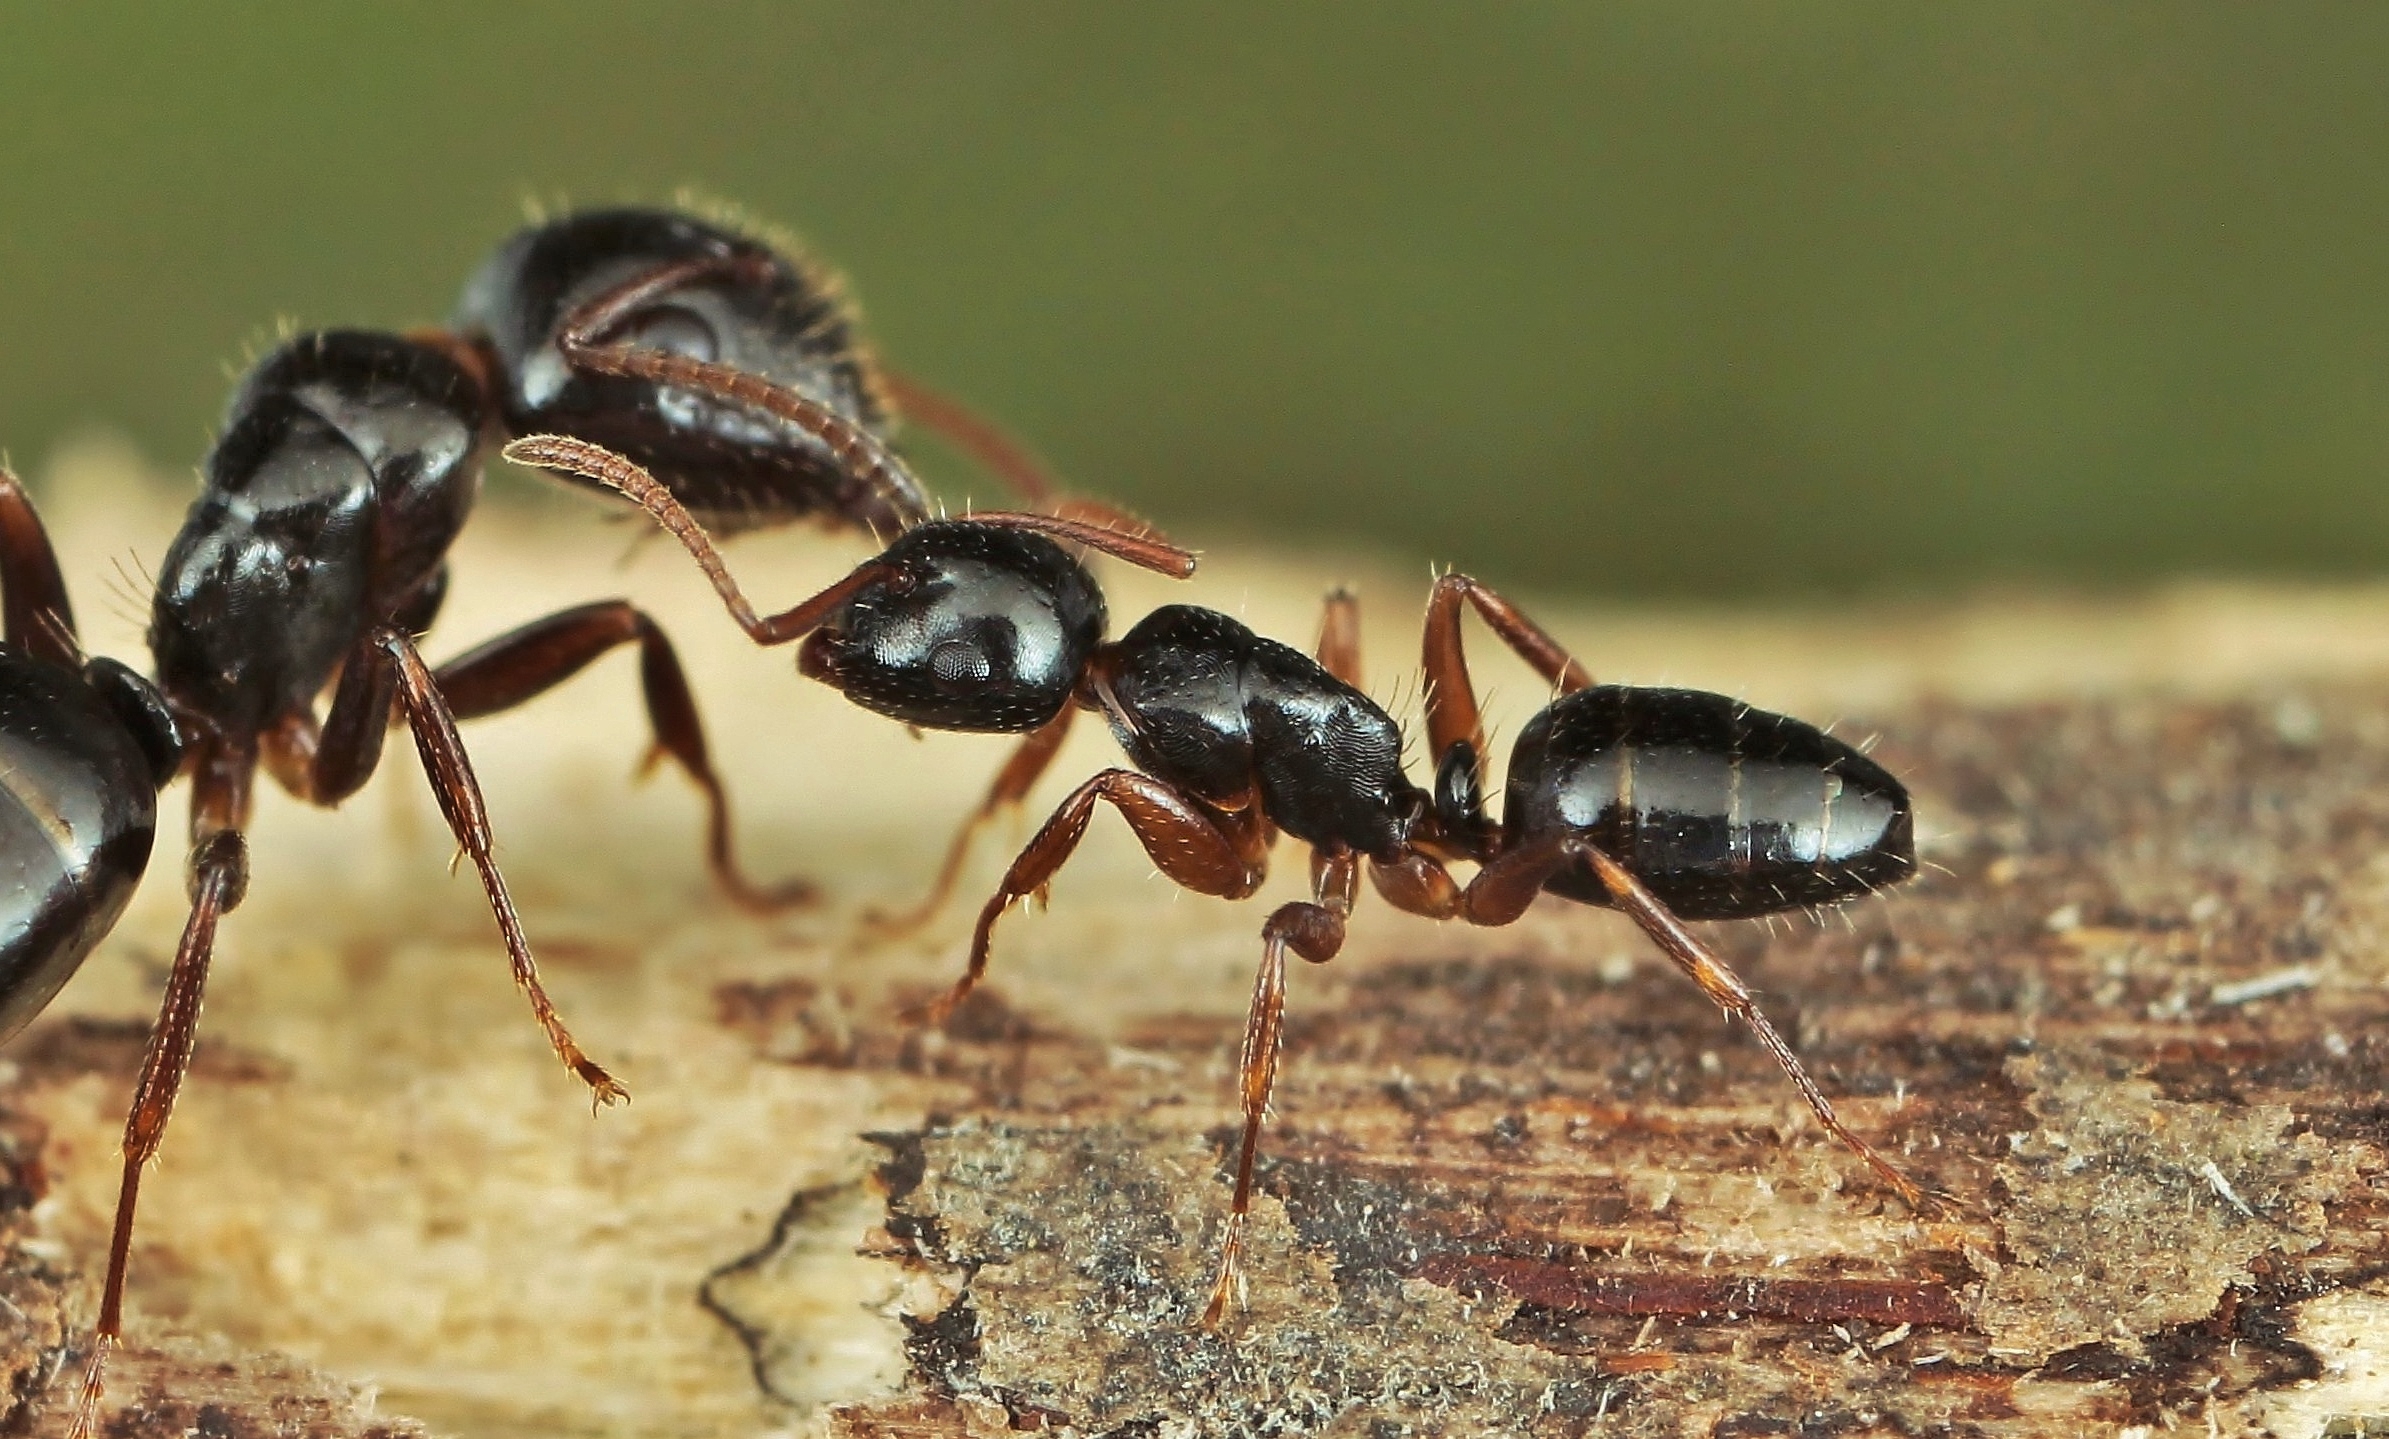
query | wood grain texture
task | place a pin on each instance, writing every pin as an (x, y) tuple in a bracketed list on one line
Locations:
[(1520, 1181)]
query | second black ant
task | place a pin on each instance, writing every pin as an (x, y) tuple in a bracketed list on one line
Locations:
[(1666, 804)]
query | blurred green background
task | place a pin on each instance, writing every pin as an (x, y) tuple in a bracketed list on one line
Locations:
[(1708, 301)]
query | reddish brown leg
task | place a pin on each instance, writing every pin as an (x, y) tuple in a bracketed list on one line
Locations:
[(219, 877), (1000, 454), (1417, 884), (1012, 784), (1503, 889), (517, 667), (1315, 931), (34, 614), (386, 667), (976, 436), (1451, 700), (1209, 851), (1339, 637)]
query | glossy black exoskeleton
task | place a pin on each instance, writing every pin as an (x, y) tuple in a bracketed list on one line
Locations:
[(732, 371), (1622, 797), (1724, 811), (315, 555), (968, 626), (85, 745)]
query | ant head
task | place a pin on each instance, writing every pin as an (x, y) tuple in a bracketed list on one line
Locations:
[(966, 626)]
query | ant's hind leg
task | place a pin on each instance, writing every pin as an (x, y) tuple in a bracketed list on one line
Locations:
[(517, 667), (1502, 890), (1314, 930)]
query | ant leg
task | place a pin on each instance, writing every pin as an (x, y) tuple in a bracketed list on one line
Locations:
[(1502, 890), (525, 663), (1417, 884), (1001, 454), (976, 436), (1316, 932), (1451, 700), (34, 614), (1200, 848), (1339, 636), (219, 878), (383, 669), (1012, 784), (631, 480)]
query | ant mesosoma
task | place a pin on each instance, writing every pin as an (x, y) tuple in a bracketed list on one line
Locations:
[(1667, 804)]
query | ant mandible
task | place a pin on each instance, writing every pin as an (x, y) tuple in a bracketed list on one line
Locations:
[(1664, 803)]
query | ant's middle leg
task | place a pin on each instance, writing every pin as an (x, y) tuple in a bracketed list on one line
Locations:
[(1502, 890), (1452, 716), (1012, 784), (385, 669), (1200, 847), (518, 667), (1314, 930)]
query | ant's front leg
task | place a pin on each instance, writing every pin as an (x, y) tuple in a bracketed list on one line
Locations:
[(1202, 847), (519, 666)]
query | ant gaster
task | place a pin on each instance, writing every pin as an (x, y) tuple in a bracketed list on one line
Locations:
[(314, 556), (88, 744), (1662, 803), (730, 370)]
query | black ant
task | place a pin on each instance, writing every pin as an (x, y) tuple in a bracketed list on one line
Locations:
[(1665, 803)]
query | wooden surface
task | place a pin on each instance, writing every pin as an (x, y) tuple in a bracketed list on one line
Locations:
[(1519, 1181)]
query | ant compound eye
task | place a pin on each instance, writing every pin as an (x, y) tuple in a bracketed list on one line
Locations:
[(959, 664)]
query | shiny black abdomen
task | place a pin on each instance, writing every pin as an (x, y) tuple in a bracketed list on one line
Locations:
[(346, 467), (1223, 713), (975, 628), (1723, 810), (78, 809), (733, 467)]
